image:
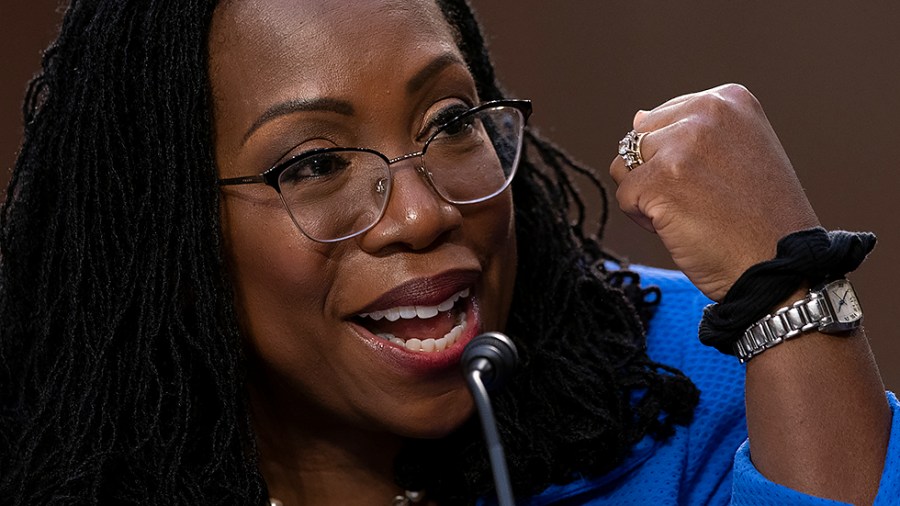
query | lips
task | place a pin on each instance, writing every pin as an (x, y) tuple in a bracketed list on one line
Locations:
[(421, 328), (425, 315), (417, 311), (430, 291)]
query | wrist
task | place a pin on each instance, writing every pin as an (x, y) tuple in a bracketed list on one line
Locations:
[(830, 308), (804, 258)]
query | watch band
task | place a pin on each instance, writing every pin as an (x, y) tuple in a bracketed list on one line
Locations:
[(802, 316)]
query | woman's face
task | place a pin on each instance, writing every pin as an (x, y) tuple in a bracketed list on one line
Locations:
[(289, 76)]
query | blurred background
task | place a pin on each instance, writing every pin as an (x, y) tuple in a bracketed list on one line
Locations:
[(827, 74)]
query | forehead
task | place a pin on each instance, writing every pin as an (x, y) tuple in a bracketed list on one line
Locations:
[(267, 39), (363, 52)]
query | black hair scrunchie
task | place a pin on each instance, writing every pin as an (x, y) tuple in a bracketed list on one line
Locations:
[(808, 256)]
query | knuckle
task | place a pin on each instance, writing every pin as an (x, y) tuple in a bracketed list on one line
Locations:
[(739, 95), (734, 90), (677, 170), (719, 104), (693, 128), (725, 103)]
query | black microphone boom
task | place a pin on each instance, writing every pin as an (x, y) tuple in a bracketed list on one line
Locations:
[(487, 361)]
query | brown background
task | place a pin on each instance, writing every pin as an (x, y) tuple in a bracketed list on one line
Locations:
[(827, 73)]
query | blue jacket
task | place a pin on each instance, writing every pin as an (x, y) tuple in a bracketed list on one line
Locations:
[(708, 462)]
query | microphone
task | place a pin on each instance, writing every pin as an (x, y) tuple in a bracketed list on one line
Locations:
[(488, 361)]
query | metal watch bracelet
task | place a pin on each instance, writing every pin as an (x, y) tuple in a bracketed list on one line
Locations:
[(802, 316)]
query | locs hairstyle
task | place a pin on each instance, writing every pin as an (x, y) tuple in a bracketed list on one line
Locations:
[(121, 367)]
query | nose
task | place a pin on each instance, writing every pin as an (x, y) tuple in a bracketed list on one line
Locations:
[(416, 217)]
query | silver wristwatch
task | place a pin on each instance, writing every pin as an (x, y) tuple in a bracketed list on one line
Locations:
[(832, 308)]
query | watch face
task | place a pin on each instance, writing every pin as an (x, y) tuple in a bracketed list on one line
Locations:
[(843, 300)]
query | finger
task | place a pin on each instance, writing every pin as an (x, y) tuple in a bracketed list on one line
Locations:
[(628, 196), (618, 170), (666, 115), (648, 146), (640, 118), (643, 186), (637, 122)]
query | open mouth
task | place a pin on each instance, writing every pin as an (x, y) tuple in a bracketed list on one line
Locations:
[(420, 328)]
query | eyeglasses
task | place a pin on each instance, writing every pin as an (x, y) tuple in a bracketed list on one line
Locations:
[(332, 194)]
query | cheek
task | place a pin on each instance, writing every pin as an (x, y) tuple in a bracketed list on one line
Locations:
[(496, 232), (278, 280)]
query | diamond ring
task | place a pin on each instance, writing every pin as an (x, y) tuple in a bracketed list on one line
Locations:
[(630, 149)]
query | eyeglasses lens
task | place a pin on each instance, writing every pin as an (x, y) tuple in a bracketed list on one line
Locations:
[(337, 194), (474, 158)]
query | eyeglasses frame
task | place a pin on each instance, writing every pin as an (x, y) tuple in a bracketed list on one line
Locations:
[(270, 176)]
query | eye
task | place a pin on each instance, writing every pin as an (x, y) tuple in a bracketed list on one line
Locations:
[(443, 119), (314, 165), (459, 126)]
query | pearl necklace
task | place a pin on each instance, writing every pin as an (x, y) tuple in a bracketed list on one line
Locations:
[(408, 498)]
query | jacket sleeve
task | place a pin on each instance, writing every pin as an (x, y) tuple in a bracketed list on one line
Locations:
[(750, 487), (719, 426)]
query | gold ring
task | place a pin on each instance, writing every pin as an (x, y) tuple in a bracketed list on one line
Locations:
[(630, 149)]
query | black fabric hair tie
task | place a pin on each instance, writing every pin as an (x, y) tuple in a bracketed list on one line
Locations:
[(808, 256)]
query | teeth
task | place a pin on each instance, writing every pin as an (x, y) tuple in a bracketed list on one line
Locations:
[(423, 312), (429, 345), (447, 305)]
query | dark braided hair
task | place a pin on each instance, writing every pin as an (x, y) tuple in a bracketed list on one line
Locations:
[(121, 371), (121, 378)]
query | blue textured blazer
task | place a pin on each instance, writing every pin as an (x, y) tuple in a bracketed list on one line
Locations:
[(707, 462)]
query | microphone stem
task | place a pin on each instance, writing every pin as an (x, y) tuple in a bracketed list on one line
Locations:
[(491, 436)]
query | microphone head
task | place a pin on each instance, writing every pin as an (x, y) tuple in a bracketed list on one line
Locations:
[(499, 352)]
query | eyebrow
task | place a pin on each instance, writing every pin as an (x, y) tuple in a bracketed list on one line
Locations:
[(436, 65), (298, 105), (415, 83)]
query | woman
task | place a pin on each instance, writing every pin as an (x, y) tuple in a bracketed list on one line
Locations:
[(201, 306)]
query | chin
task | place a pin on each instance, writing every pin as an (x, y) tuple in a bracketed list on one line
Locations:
[(437, 421)]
